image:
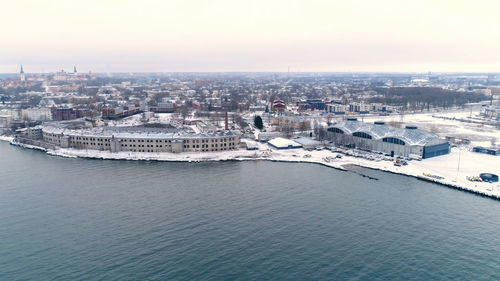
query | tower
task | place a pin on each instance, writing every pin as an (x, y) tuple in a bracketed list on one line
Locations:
[(22, 77), (74, 70), (226, 122)]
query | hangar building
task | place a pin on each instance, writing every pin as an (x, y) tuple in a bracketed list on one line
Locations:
[(408, 141)]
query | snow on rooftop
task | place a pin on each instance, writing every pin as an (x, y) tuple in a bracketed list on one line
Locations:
[(135, 132), (413, 136), (284, 143), (307, 141), (478, 134)]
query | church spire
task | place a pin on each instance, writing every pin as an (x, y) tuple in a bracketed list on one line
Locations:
[(22, 77)]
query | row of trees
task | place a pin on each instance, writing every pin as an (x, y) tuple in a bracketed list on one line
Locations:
[(13, 93), (424, 98)]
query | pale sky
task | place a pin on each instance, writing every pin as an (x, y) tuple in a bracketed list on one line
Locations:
[(250, 35)]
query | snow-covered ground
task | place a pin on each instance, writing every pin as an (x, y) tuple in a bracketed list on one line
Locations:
[(447, 166), (6, 138), (134, 120), (163, 118)]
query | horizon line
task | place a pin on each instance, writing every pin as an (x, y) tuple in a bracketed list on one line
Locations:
[(281, 72)]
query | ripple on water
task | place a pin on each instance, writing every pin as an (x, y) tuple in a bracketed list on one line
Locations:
[(76, 219)]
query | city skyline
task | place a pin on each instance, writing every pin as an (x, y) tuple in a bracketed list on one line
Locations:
[(251, 36)]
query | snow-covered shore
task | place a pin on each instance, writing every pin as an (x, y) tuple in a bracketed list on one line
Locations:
[(6, 138), (447, 166)]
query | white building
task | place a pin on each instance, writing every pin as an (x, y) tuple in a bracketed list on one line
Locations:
[(282, 143), (336, 108), (36, 114), (359, 107)]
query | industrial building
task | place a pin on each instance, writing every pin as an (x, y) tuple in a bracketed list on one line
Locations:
[(307, 143), (408, 142), (490, 151)]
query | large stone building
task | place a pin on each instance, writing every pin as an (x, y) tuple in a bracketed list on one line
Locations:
[(117, 139), (408, 141)]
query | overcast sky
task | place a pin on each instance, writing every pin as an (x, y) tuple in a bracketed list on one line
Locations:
[(253, 35)]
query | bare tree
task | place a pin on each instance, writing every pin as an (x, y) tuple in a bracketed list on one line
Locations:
[(396, 124), (240, 121), (433, 129), (303, 126), (184, 110)]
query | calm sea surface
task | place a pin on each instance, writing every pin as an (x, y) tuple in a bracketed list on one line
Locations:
[(78, 219)]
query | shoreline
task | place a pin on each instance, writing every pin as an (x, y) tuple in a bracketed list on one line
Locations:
[(427, 179), (256, 155)]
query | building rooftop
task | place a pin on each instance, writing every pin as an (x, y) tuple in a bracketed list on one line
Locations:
[(410, 134), (137, 133), (307, 141), (284, 143)]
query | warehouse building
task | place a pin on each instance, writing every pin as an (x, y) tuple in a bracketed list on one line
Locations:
[(307, 143), (408, 142), (490, 151), (282, 143)]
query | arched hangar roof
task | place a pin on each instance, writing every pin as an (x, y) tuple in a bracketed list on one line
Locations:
[(411, 136)]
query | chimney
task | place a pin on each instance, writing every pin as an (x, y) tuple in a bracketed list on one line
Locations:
[(226, 122)]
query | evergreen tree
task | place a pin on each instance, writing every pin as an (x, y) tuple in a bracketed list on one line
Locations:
[(258, 122)]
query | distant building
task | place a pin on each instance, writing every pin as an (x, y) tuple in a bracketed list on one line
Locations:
[(490, 151), (36, 114), (254, 108), (5, 122), (359, 107), (72, 76), (387, 139), (492, 111), (22, 77), (336, 108), (164, 107), (60, 76), (63, 113), (312, 104), (292, 122), (278, 105), (121, 111)]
